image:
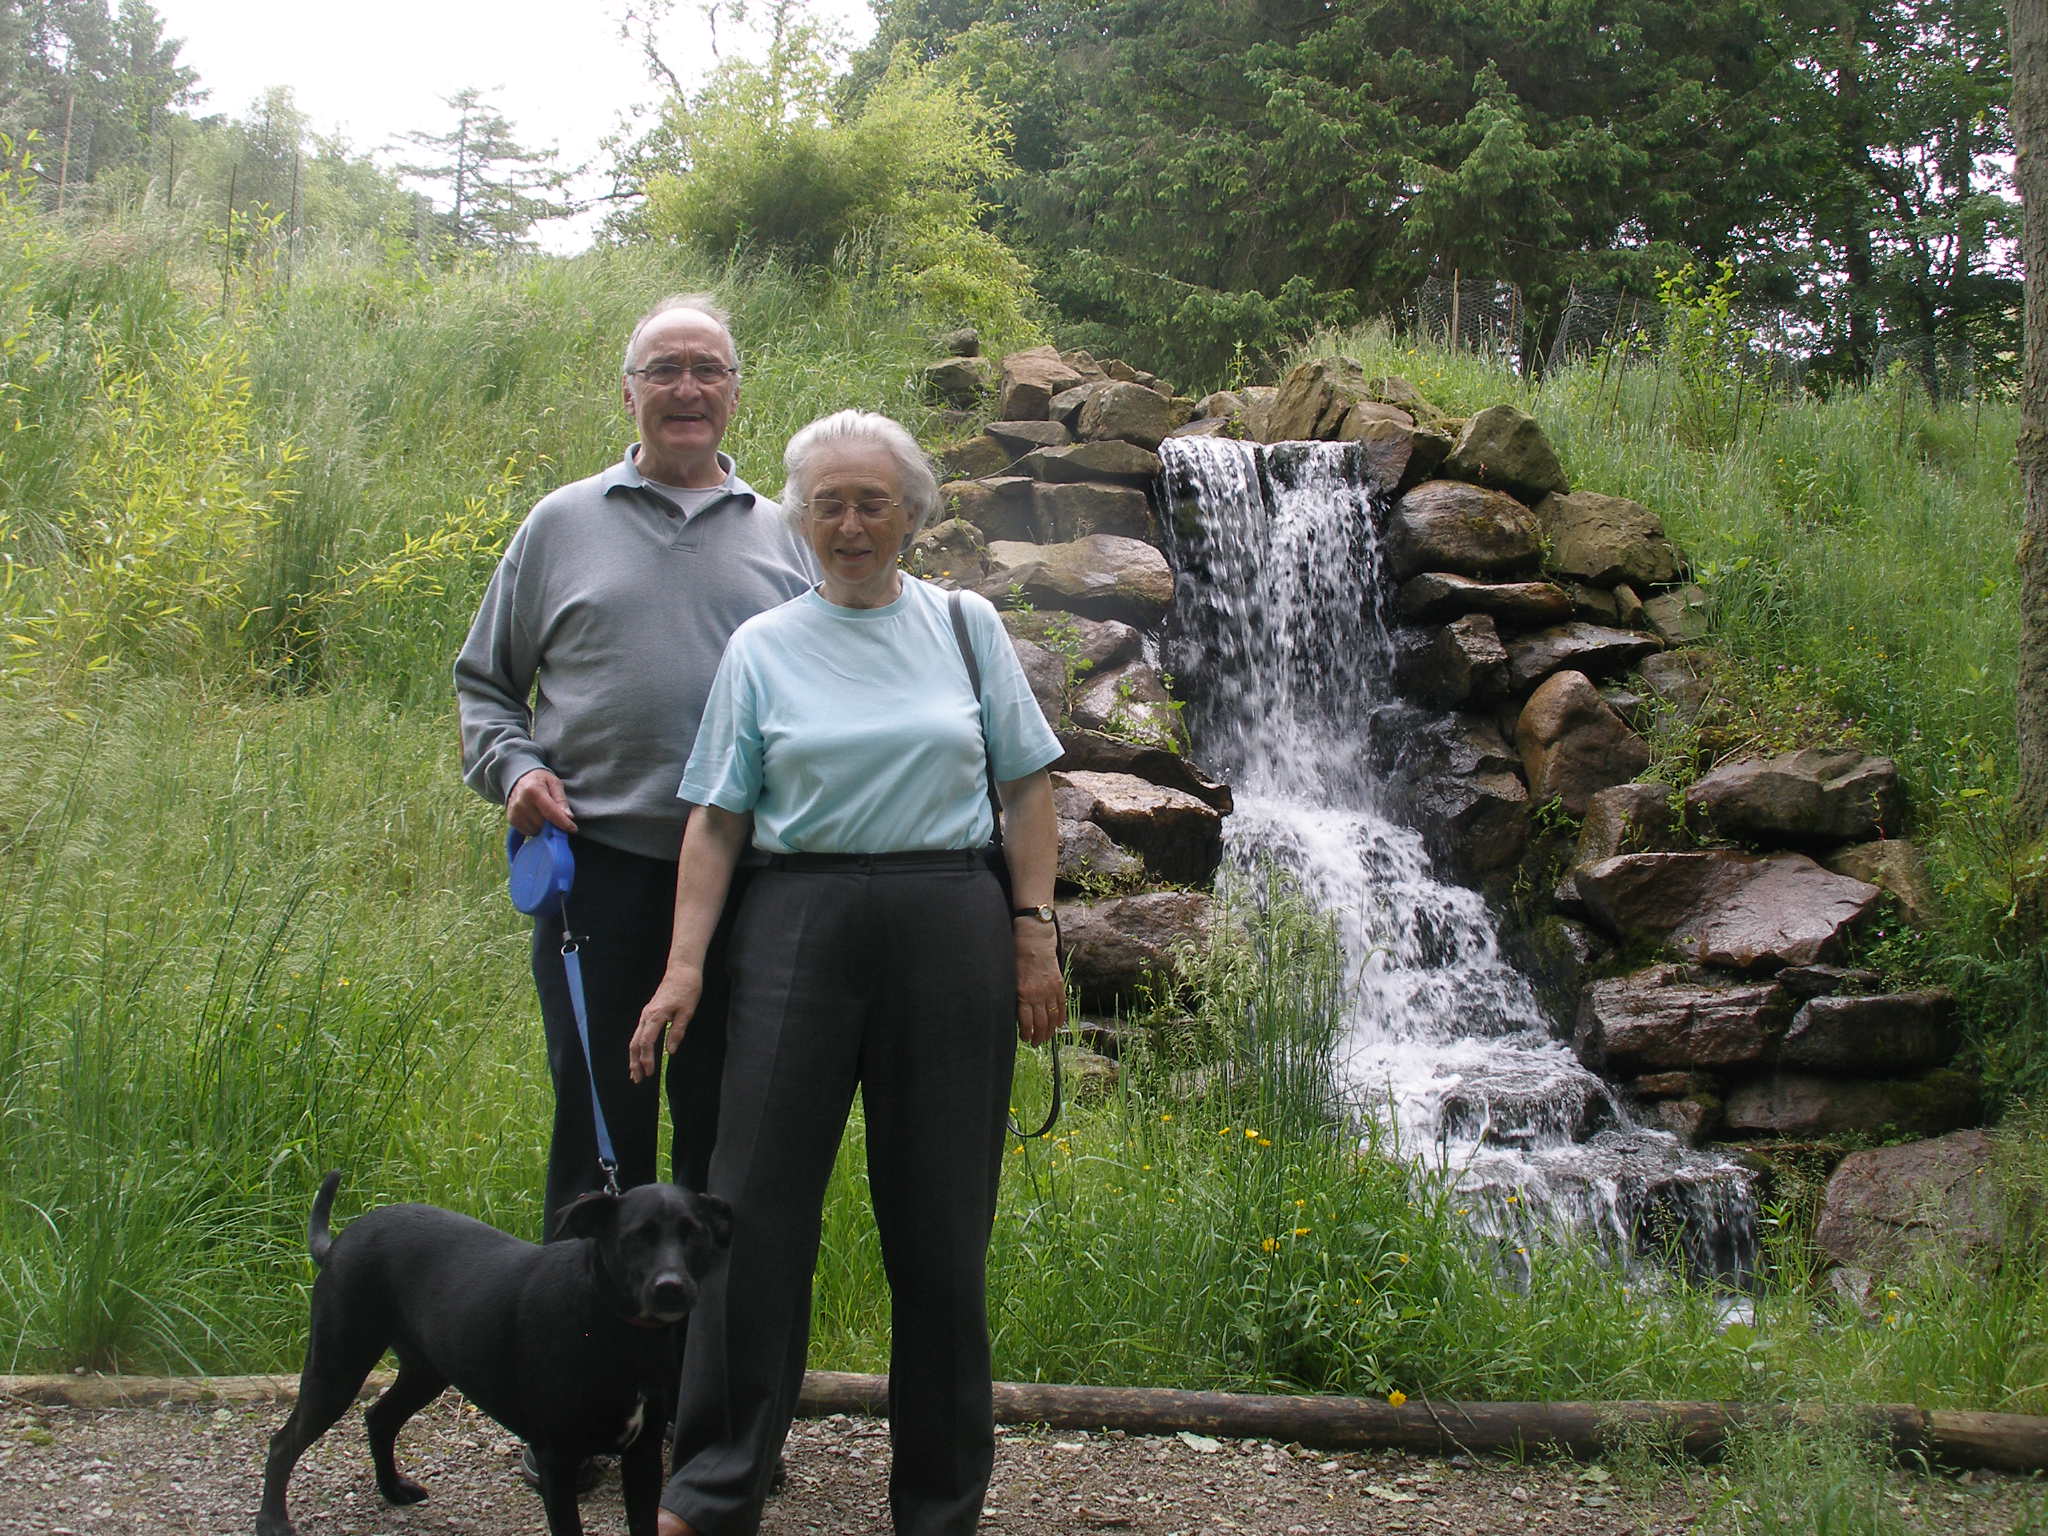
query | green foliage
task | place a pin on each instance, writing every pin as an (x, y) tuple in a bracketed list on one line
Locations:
[(497, 189), (896, 185), (1705, 347)]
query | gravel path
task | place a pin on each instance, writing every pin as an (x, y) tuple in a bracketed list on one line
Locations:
[(182, 1468)]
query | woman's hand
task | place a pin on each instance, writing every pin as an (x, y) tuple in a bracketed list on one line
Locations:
[(665, 1019), (1041, 989)]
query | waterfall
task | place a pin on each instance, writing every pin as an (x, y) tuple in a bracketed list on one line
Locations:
[(1281, 640)]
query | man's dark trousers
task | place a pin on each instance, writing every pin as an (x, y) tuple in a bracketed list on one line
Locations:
[(622, 909)]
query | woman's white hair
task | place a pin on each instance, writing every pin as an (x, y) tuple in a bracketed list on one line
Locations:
[(918, 487)]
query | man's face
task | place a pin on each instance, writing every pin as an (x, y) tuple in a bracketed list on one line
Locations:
[(681, 423)]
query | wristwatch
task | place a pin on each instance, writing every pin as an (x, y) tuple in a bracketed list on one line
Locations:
[(1043, 914)]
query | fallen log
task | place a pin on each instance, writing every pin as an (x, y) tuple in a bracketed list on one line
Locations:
[(2006, 1442)]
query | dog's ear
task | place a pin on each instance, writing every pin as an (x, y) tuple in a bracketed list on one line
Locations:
[(588, 1215), (716, 1217)]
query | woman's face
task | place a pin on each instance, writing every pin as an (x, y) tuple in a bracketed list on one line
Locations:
[(857, 488)]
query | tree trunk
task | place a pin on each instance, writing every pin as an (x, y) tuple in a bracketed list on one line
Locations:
[(2027, 21)]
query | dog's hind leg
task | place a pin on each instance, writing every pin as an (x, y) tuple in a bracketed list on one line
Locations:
[(336, 1367), (417, 1385)]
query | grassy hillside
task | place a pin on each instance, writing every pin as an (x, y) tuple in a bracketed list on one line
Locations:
[(252, 926)]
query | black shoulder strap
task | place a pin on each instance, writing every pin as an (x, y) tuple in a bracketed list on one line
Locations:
[(958, 612)]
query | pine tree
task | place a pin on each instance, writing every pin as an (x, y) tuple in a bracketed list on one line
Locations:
[(496, 189)]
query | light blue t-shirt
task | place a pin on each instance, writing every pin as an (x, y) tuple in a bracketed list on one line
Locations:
[(854, 730)]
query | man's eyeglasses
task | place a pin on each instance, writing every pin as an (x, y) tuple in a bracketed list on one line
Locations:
[(708, 374), (829, 509)]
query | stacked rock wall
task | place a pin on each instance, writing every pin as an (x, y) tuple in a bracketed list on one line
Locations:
[(1697, 934)]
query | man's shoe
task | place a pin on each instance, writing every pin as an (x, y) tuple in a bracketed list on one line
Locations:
[(587, 1473)]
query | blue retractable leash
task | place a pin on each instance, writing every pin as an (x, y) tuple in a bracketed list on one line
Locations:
[(543, 870)]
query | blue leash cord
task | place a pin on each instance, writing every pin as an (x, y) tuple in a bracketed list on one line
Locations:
[(572, 968)]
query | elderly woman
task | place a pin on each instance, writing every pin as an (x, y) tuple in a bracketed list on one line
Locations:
[(876, 950)]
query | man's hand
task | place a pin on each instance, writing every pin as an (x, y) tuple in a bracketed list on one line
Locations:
[(664, 1020), (538, 798)]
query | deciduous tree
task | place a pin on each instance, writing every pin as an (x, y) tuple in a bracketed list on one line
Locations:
[(2029, 21)]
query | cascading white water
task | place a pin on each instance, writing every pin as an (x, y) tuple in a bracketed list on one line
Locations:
[(1280, 638)]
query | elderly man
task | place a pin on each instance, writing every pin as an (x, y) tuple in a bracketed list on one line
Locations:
[(580, 688)]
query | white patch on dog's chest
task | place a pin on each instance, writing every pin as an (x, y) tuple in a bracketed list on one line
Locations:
[(635, 1422)]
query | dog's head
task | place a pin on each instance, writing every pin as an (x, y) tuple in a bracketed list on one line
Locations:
[(655, 1244)]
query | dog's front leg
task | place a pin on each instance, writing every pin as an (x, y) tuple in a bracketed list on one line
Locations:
[(558, 1491), (640, 1481)]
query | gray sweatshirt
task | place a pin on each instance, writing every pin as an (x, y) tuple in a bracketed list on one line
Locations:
[(595, 645)]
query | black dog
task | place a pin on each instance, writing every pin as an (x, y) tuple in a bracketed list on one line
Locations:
[(570, 1346)]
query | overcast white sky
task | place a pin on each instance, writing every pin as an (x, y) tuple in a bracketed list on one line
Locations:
[(373, 69)]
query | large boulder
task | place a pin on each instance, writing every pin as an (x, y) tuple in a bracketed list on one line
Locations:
[(1030, 381), (1682, 680), (1801, 798), (1744, 912), (972, 457), (1443, 595), (1315, 398), (1116, 462), (1397, 456), (1463, 789), (1888, 1034), (1606, 540), (1259, 400), (1179, 838), (1101, 577), (1095, 752), (1046, 672), (1075, 509), (1443, 525), (1682, 616), (1893, 864), (1091, 861), (1572, 745), (1505, 448), (1130, 701), (1885, 1204), (1120, 945), (1002, 506), (960, 382), (1066, 406), (1592, 649), (1669, 1017), (1130, 413), (1089, 645), (1023, 437), (952, 553), (1800, 1104), (1627, 818), (1457, 663)]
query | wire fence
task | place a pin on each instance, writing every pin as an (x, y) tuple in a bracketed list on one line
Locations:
[(1780, 348)]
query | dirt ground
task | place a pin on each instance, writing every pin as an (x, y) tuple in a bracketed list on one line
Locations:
[(186, 1468)]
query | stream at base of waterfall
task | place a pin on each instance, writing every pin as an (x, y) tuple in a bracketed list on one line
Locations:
[(1281, 640)]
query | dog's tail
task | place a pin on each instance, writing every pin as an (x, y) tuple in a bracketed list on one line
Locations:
[(318, 1238)]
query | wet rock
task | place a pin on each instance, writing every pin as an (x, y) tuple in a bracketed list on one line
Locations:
[(1606, 540), (959, 381), (1117, 945), (1693, 1120), (1129, 412), (1572, 745), (1682, 679), (1023, 437), (1805, 797), (1397, 457), (1589, 648), (1002, 507), (1893, 865), (1505, 448), (1091, 645), (1801, 1104), (1886, 1035), (1458, 663), (952, 553), (1130, 701), (1627, 818), (1683, 616), (1672, 1085), (1179, 838), (1118, 463), (1745, 912), (1075, 510), (973, 457), (1091, 861), (1885, 1205), (1047, 675), (1443, 525), (1474, 824), (1666, 1018), (1101, 577), (1094, 752), (1443, 595), (1030, 381)]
